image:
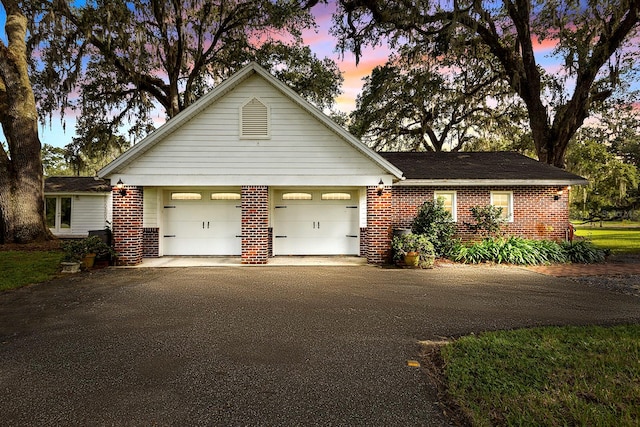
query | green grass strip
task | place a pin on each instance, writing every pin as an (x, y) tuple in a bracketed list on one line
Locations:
[(19, 268), (551, 376), (619, 240)]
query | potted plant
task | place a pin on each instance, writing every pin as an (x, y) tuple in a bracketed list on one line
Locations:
[(94, 247), (414, 250), (84, 251), (74, 252)]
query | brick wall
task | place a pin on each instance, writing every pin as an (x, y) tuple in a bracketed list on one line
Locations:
[(127, 225), (379, 222), (150, 242), (536, 214), (255, 224)]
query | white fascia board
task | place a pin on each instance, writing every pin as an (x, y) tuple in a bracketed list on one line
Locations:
[(488, 182), (240, 180), (77, 193)]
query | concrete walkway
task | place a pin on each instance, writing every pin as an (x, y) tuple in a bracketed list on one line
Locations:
[(222, 261)]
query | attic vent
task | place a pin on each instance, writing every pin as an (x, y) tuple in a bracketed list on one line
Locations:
[(254, 120)]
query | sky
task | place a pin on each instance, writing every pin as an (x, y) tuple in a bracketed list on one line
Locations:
[(323, 44)]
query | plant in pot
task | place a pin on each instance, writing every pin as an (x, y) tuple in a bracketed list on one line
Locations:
[(414, 250), (94, 247), (74, 252)]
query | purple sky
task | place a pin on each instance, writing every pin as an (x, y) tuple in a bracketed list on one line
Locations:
[(324, 45)]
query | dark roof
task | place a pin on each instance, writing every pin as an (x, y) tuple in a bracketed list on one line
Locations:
[(494, 166), (76, 184)]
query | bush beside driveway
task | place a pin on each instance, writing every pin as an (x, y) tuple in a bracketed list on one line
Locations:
[(260, 346)]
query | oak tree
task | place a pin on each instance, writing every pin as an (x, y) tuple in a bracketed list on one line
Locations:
[(21, 181), (595, 43)]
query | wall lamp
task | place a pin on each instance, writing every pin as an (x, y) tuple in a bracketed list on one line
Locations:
[(380, 187), (558, 195), (120, 188)]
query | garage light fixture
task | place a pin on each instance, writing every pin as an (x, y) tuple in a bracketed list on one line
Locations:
[(558, 195), (120, 188), (380, 187)]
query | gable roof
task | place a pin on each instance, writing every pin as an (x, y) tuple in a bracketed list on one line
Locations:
[(222, 89), (76, 184), (477, 168)]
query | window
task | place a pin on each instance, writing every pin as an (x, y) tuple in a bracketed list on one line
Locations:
[(225, 196), (58, 213), (449, 200), (504, 200), (254, 120), (336, 196), (297, 196), (186, 196)]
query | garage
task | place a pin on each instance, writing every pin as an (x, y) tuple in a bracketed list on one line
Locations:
[(313, 222), (202, 223)]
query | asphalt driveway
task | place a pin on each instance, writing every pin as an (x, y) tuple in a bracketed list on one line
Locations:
[(260, 346)]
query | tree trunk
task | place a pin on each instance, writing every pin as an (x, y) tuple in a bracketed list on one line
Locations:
[(22, 218)]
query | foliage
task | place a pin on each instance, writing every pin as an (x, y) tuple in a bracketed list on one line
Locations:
[(488, 220), (428, 105), (128, 60), (547, 376), (519, 251), (511, 250), (593, 41), (613, 183), (583, 252), (75, 250), (433, 221), (21, 268), (53, 161), (405, 243)]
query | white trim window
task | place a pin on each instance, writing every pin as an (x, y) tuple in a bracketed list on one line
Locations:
[(58, 213), (450, 203), (504, 200), (254, 120)]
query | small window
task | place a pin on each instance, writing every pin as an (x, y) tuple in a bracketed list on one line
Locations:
[(336, 196), (504, 200), (225, 196), (186, 196), (254, 120), (449, 201), (297, 196)]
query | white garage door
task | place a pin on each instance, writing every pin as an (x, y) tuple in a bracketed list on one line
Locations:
[(316, 223), (202, 223)]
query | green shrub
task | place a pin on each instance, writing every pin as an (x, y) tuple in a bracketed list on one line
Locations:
[(405, 243), (583, 252), (488, 220), (434, 222), (511, 250)]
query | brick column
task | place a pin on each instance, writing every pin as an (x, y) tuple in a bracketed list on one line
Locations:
[(255, 224), (379, 225), (127, 225)]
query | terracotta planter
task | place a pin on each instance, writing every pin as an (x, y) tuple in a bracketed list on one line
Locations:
[(411, 259), (89, 260)]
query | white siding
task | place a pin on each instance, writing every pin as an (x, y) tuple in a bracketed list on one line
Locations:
[(208, 149), (150, 208), (88, 212)]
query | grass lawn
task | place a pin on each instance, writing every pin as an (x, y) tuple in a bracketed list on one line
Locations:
[(550, 376), (620, 239), (21, 268)]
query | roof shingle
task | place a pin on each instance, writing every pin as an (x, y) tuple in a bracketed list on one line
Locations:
[(76, 184), (495, 166)]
